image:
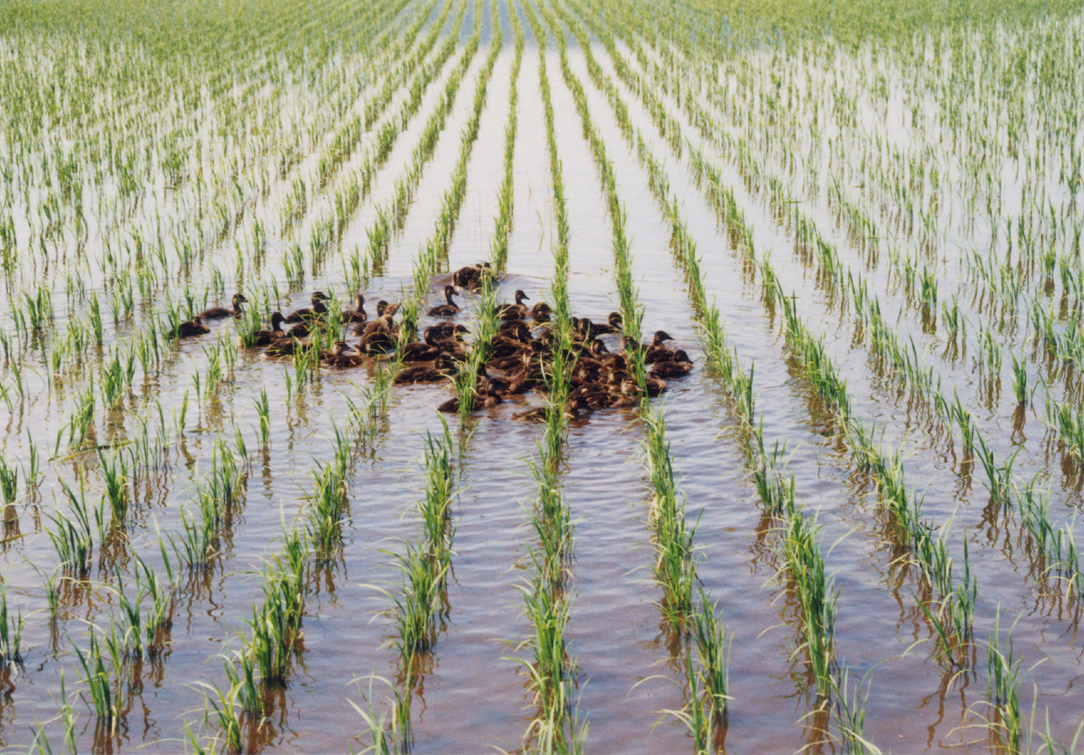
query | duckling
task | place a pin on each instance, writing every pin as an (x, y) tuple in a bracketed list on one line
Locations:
[(317, 310), (516, 329), (356, 315), (656, 352), (537, 414), (219, 313), (421, 374), (541, 312), (304, 329), (422, 351), (379, 336), (614, 324), (471, 277), (445, 330), (449, 308), (656, 386), (285, 347), (191, 329), (678, 366), (515, 311), (268, 337), (342, 356)]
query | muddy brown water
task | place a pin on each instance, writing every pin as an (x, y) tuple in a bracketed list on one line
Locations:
[(474, 692)]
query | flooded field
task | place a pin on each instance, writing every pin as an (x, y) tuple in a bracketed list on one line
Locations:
[(763, 429)]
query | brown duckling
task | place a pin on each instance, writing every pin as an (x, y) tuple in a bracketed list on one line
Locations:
[(316, 311), (422, 351), (191, 329), (614, 324), (445, 330), (471, 277), (516, 329), (421, 374), (378, 336), (541, 312), (268, 337), (356, 315), (679, 365), (342, 356), (655, 351), (219, 313), (537, 414), (449, 308), (515, 311)]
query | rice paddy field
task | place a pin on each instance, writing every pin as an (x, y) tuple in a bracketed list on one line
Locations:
[(831, 508)]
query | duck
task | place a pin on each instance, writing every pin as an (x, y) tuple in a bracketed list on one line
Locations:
[(191, 329), (515, 311), (536, 414), (445, 329), (356, 315), (304, 329), (422, 351), (541, 312), (614, 324), (655, 351), (317, 310), (422, 374), (678, 365), (342, 356), (379, 336), (268, 337), (516, 329), (471, 277), (449, 308), (285, 347), (219, 313)]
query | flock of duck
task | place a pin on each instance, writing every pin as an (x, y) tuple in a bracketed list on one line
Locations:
[(519, 355)]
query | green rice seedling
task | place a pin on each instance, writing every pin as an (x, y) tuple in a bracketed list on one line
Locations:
[(699, 724), (1003, 689), (198, 541), (817, 595), (73, 539), (263, 411), (96, 320), (388, 734), (9, 483), (11, 632), (108, 698), (116, 474), (713, 648), (82, 418), (998, 476), (1020, 381), (962, 417), (852, 713), (223, 710), (248, 692)]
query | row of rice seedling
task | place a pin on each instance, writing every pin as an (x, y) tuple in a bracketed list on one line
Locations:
[(487, 321), (802, 554), (553, 674), (689, 616)]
